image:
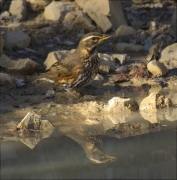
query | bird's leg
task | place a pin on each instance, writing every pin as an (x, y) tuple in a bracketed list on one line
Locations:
[(69, 90)]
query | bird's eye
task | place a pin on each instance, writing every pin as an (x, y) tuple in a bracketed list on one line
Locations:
[(94, 38)]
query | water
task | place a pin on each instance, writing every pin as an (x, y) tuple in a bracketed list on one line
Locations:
[(114, 147), (79, 150)]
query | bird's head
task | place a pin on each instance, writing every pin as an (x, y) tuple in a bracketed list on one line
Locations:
[(92, 40)]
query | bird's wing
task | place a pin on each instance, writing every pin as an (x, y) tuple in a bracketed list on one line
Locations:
[(66, 66)]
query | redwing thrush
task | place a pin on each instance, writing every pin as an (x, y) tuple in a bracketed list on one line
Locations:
[(78, 69)]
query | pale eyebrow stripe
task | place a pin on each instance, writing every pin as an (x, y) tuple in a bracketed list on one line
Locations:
[(89, 37)]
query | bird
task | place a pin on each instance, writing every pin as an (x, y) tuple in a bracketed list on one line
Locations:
[(78, 69)]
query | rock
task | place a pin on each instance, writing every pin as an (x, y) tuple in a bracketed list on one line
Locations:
[(78, 19), (18, 9), (97, 82), (157, 68), (120, 47), (49, 30), (17, 40), (83, 22), (104, 69), (154, 102), (124, 30), (117, 104), (172, 29), (1, 45), (50, 93), (56, 11), (122, 69), (121, 58), (24, 66), (112, 9), (155, 88), (37, 5), (6, 78), (101, 20), (54, 57), (169, 55), (106, 59), (172, 116), (34, 122)]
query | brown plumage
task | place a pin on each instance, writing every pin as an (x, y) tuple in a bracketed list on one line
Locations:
[(78, 69)]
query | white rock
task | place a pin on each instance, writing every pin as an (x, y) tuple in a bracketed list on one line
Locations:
[(37, 5), (54, 57), (56, 11), (124, 30), (157, 68), (50, 93), (97, 82), (104, 69), (18, 9), (1, 45), (24, 66), (6, 78), (120, 47), (101, 20), (106, 59), (117, 104), (154, 102), (17, 39), (122, 58), (169, 55)]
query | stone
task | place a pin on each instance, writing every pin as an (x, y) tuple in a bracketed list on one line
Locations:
[(109, 8), (121, 58), (172, 29), (169, 55), (97, 82), (56, 11), (24, 66), (33, 122), (157, 68), (155, 101), (54, 57), (120, 47), (117, 104), (78, 19), (37, 5), (50, 93), (17, 40), (124, 30), (1, 45), (106, 59), (101, 20), (104, 69), (18, 9), (6, 78)]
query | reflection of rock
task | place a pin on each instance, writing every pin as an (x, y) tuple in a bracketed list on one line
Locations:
[(117, 104), (157, 68), (155, 88), (172, 116), (17, 39), (24, 66), (155, 101), (155, 117), (33, 122)]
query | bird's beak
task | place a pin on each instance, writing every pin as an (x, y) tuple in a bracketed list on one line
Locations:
[(104, 37)]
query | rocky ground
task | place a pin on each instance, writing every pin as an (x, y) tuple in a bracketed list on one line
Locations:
[(42, 32)]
